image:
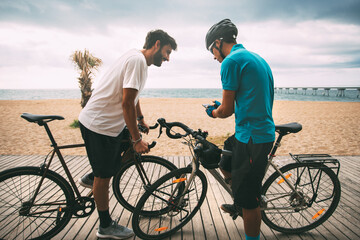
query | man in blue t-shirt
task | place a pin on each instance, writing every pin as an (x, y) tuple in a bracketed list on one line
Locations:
[(248, 90)]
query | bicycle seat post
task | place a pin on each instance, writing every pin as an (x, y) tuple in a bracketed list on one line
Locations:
[(51, 137), (283, 130), (276, 145)]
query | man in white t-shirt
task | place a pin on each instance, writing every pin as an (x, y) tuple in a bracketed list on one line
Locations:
[(113, 105)]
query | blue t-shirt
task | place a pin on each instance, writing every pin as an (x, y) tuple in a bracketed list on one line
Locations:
[(251, 78)]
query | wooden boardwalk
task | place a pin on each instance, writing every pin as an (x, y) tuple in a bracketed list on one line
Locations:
[(210, 222)]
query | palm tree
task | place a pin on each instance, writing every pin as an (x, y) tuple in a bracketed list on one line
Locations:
[(86, 63)]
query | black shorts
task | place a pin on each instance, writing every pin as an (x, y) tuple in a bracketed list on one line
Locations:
[(247, 166), (104, 152)]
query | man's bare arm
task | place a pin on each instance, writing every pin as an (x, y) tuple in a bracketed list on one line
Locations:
[(130, 115), (226, 109)]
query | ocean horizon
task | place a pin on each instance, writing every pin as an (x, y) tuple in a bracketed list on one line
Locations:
[(319, 95)]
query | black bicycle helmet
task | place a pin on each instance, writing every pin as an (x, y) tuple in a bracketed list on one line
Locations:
[(223, 29)]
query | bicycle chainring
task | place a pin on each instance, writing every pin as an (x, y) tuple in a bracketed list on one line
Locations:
[(84, 206)]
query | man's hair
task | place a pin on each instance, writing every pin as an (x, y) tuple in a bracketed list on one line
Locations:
[(164, 38)]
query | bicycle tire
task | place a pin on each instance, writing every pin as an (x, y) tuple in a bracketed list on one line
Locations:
[(170, 217), (300, 217), (17, 186), (127, 184)]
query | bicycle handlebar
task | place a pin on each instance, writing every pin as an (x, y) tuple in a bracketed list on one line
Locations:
[(142, 129), (199, 135), (169, 125)]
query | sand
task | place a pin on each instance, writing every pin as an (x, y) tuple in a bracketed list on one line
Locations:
[(328, 127)]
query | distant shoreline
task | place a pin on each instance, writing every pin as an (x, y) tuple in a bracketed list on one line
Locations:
[(37, 94)]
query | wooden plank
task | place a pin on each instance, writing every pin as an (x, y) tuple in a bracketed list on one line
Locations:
[(214, 195), (78, 167), (186, 231), (11, 161), (210, 222)]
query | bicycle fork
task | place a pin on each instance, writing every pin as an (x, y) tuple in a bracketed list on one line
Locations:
[(141, 170), (178, 205)]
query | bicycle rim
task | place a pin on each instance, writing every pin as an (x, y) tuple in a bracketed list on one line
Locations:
[(127, 185), (164, 197), (50, 213), (289, 213)]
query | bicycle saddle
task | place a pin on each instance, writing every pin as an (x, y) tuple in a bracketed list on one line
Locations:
[(36, 118), (287, 128)]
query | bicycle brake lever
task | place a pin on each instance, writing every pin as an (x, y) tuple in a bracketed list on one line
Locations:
[(160, 131), (152, 145), (141, 128), (155, 126)]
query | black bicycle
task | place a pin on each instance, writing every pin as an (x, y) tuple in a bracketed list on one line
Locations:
[(295, 198), (37, 202)]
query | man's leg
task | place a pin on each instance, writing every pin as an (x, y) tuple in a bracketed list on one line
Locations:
[(251, 210), (108, 228), (227, 175), (252, 221), (101, 197)]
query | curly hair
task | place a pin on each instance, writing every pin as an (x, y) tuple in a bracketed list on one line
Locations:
[(164, 38)]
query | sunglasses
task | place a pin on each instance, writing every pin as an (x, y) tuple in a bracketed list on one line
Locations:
[(213, 45)]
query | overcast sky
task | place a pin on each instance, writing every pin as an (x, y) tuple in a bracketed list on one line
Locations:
[(306, 43)]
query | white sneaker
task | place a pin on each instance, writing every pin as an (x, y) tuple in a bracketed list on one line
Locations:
[(115, 231)]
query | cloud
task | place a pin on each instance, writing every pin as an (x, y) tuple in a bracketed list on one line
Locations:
[(299, 39), (92, 13), (346, 11)]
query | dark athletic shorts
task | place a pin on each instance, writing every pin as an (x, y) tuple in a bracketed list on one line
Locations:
[(247, 166), (104, 152)]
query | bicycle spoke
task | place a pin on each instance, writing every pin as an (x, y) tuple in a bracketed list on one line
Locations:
[(127, 184), (174, 205), (289, 212), (22, 219)]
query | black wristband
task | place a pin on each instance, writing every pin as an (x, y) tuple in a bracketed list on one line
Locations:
[(140, 118)]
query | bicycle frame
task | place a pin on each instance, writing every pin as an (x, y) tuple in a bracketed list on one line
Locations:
[(56, 150), (45, 167), (219, 178)]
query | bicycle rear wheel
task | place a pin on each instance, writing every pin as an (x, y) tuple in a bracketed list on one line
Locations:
[(287, 212), (48, 215), (127, 185), (174, 206)]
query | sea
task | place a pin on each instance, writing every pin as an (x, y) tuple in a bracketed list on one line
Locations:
[(350, 95)]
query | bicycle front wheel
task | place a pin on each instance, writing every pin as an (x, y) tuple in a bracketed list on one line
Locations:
[(288, 212), (42, 219), (174, 204), (127, 184)]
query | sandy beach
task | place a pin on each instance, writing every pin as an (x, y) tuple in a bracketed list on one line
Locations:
[(328, 127)]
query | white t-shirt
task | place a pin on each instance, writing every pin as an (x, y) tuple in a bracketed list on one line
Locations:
[(103, 113)]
